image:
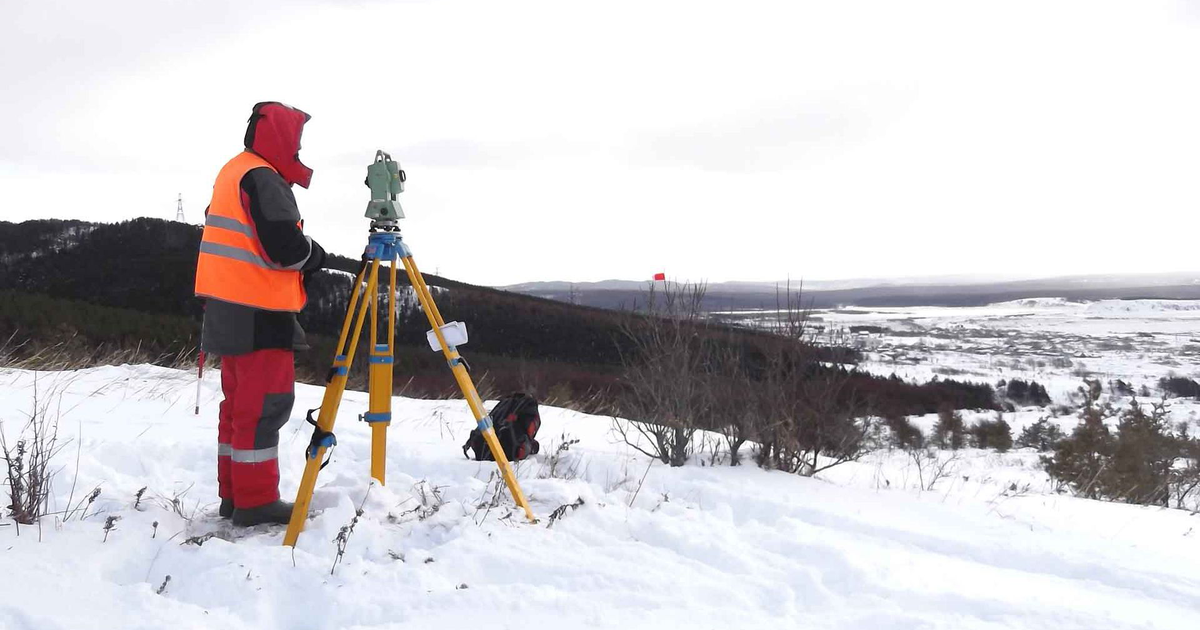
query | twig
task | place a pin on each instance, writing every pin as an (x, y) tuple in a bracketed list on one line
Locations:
[(75, 478), (343, 536), (89, 499), (198, 540), (562, 509), (491, 503), (639, 487)]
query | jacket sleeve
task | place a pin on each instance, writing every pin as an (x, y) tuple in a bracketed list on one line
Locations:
[(272, 207)]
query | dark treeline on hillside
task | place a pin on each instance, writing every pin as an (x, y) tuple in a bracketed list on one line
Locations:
[(129, 285), (73, 331)]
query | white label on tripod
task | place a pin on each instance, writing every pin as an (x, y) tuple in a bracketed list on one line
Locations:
[(455, 334)]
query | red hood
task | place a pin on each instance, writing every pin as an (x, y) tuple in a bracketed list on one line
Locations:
[(274, 133)]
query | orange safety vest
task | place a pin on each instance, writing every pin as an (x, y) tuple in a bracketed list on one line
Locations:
[(232, 266)]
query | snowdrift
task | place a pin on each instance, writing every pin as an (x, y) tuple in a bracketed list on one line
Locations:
[(645, 546)]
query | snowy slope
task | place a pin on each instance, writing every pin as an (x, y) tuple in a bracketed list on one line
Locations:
[(697, 547)]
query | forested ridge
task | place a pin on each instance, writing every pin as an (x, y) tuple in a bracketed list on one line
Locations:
[(94, 289)]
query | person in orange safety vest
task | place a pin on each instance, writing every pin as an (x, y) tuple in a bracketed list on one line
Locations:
[(253, 260)]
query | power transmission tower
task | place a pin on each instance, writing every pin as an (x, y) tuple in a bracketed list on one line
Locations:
[(179, 209)]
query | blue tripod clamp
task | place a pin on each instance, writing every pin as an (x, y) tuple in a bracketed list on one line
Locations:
[(385, 246)]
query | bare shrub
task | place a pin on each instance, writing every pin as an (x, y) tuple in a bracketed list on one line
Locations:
[(776, 390), (665, 390), (558, 464), (809, 413), (932, 465), (815, 425), (737, 409), (29, 475)]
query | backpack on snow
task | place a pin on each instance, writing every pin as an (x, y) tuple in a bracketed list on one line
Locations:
[(516, 421)]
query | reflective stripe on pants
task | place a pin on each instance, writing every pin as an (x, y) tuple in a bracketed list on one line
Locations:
[(259, 393)]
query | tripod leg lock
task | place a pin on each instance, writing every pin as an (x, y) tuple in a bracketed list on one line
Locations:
[(337, 370), (320, 439), (385, 416)]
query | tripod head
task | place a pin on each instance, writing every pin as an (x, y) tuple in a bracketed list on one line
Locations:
[(386, 180)]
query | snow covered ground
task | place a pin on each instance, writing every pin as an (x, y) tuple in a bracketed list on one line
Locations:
[(869, 545)]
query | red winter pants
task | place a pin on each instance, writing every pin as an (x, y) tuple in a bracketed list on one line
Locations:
[(259, 390)]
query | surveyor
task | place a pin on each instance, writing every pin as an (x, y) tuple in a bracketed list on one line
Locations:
[(254, 258)]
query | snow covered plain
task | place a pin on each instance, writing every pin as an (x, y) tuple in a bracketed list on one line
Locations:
[(1054, 341), (866, 545)]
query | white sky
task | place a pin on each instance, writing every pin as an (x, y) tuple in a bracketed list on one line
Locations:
[(583, 141)]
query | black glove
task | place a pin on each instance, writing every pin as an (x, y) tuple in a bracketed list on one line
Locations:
[(307, 278), (316, 258)]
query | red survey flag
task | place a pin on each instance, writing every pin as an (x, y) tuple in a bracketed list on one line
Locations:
[(660, 276)]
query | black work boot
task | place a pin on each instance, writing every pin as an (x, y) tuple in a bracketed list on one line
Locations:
[(279, 512), (226, 509)]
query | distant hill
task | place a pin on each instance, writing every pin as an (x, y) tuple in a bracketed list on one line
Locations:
[(123, 292), (944, 291), (147, 266)]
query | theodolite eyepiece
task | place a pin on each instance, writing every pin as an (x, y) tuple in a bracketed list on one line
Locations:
[(385, 178)]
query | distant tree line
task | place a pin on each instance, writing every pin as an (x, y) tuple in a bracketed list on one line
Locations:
[(129, 285), (1024, 393)]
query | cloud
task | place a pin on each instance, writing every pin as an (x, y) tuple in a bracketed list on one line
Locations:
[(816, 139), (773, 138)]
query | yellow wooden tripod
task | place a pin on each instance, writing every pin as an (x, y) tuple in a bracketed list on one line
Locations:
[(385, 246)]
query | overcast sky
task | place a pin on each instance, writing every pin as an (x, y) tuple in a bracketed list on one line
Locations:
[(584, 141)]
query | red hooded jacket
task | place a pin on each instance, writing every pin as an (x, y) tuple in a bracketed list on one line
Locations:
[(274, 133)]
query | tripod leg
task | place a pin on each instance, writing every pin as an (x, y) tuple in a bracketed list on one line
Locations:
[(466, 385), (333, 398), (379, 413)]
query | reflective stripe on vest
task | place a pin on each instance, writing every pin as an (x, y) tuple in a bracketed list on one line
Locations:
[(232, 265)]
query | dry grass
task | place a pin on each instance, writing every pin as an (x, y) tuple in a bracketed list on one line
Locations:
[(74, 353)]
